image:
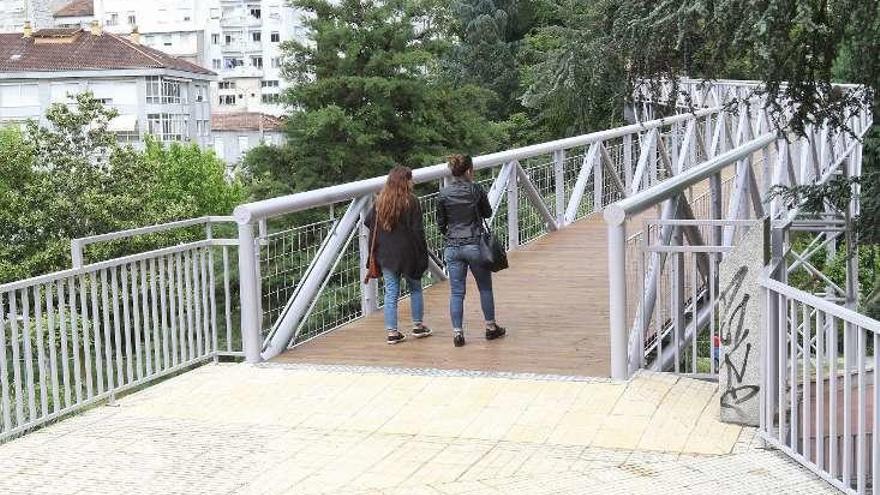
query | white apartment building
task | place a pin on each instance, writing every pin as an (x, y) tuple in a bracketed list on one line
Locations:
[(14, 13), (153, 92), (240, 40)]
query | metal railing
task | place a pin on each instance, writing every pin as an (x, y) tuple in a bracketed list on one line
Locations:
[(73, 338), (819, 389), (301, 282), (757, 163)]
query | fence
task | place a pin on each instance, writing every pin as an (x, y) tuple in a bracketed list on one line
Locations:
[(306, 280), (72, 338), (819, 389)]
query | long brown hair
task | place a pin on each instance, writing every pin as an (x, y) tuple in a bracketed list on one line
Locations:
[(395, 198)]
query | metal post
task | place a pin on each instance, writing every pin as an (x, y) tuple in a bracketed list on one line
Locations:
[(617, 298), (512, 211), (369, 291), (559, 174), (716, 194), (598, 181), (628, 161), (76, 253), (250, 317)]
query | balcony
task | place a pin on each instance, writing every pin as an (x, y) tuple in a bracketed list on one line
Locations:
[(240, 21), (243, 47)]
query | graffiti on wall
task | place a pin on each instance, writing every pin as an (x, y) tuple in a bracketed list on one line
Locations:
[(734, 304)]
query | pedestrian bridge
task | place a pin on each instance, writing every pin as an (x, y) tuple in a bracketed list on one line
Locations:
[(630, 268)]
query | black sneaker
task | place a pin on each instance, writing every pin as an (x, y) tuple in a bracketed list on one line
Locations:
[(395, 338), (421, 331), (458, 339), (494, 333)]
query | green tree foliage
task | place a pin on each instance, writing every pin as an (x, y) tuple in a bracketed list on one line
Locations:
[(365, 94), (71, 179)]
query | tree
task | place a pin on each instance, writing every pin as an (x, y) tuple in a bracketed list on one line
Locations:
[(365, 94), (71, 179)]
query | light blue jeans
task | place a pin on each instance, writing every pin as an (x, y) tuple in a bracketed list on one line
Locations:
[(458, 260), (392, 294)]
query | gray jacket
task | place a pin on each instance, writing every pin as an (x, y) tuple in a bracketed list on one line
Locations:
[(461, 207)]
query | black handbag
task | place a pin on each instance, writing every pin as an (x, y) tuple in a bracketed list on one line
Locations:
[(493, 255)]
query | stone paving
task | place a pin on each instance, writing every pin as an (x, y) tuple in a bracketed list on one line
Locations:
[(239, 429)]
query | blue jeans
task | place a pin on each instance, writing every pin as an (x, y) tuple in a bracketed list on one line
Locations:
[(458, 260), (392, 294)]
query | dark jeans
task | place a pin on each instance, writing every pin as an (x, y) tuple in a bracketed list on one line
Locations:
[(458, 260)]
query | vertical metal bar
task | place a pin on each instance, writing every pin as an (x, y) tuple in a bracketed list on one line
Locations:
[(678, 295), (861, 459), (213, 296), (598, 182), (65, 361), (163, 305), (117, 327), (250, 316), (713, 367), (227, 299), (793, 386), (28, 355), (627, 161), (833, 433), (875, 420), (74, 337), (782, 325), (41, 354), (4, 371), (847, 407), (136, 312), (512, 210), (694, 309), (96, 330), (617, 299), (18, 396), (53, 353), (191, 320), (206, 311), (86, 340), (154, 313), (369, 291), (820, 390), (145, 311), (126, 318), (181, 307), (195, 265), (806, 408), (108, 338), (559, 180)]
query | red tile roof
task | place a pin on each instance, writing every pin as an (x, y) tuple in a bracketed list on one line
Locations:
[(245, 121), (83, 51), (77, 8)]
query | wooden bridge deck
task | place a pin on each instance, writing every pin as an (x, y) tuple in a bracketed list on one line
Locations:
[(553, 299)]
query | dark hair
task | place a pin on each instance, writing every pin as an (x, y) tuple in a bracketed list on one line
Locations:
[(460, 164)]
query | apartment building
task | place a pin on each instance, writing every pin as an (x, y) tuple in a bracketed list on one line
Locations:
[(237, 133), (240, 40), (14, 13), (153, 92)]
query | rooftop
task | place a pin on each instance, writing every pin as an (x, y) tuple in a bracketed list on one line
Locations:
[(59, 50), (246, 121), (77, 8)]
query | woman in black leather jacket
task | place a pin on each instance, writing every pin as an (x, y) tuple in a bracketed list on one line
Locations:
[(461, 207)]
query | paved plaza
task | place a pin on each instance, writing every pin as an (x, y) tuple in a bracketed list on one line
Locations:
[(298, 429)]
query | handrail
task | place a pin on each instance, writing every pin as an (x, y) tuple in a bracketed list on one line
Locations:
[(822, 304), (248, 213)]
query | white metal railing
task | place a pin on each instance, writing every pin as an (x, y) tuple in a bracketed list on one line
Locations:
[(72, 338), (758, 161), (533, 190), (819, 387)]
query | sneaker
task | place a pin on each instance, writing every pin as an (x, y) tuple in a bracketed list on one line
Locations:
[(421, 331), (395, 338), (458, 339), (494, 333)]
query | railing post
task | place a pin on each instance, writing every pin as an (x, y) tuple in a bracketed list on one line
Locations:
[(617, 297), (559, 175), (250, 315), (369, 291), (627, 161), (598, 182), (76, 253), (512, 210)]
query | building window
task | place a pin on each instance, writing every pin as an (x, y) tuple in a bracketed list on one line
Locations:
[(227, 100), (256, 13), (166, 40), (216, 63), (128, 137), (275, 37), (276, 62), (226, 85), (19, 95), (132, 19), (228, 39), (218, 148), (232, 62), (168, 127), (162, 90), (243, 145), (271, 98), (112, 18), (257, 36), (215, 13), (257, 62), (215, 39), (200, 93), (269, 84)]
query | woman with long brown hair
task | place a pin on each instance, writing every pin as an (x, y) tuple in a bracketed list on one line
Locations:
[(398, 234)]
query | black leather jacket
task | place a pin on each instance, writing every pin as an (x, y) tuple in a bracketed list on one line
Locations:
[(458, 205)]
